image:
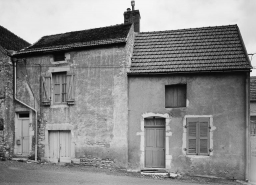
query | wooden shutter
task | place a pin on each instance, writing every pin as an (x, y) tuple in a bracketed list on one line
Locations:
[(181, 96), (192, 135), (46, 89), (70, 87), (203, 136), (175, 96)]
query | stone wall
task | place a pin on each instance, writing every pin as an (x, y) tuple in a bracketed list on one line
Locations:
[(6, 106), (99, 117)]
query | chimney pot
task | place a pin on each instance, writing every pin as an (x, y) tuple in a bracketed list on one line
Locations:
[(133, 4)]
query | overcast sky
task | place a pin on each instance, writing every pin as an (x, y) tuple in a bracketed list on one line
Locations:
[(32, 19)]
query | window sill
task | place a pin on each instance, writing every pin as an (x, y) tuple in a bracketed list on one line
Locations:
[(46, 103), (59, 106), (198, 156), (171, 108)]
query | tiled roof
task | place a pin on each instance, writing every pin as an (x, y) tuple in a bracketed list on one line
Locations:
[(253, 88), (189, 50), (77, 39), (10, 41)]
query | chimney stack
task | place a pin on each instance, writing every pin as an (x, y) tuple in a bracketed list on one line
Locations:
[(132, 16)]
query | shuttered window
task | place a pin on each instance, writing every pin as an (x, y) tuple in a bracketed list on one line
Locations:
[(253, 125), (198, 136), (175, 95), (58, 88)]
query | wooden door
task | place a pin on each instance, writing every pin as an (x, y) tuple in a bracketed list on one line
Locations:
[(25, 137), (59, 146), (22, 136), (65, 147), (155, 143)]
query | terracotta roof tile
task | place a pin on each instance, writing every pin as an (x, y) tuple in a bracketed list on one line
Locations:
[(189, 50), (78, 39), (10, 41)]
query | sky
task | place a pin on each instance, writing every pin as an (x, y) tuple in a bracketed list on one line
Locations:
[(32, 19)]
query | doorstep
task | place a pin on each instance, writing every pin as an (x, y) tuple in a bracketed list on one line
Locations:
[(154, 172)]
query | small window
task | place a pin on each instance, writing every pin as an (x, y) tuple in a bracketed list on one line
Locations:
[(59, 87), (59, 57), (154, 122), (175, 96), (1, 124), (253, 125), (23, 115), (198, 136)]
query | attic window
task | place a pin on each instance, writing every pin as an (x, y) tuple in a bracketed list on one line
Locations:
[(58, 57)]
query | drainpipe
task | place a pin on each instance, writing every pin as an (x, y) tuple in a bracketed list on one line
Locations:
[(247, 127), (14, 96)]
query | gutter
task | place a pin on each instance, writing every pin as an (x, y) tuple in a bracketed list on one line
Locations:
[(33, 109)]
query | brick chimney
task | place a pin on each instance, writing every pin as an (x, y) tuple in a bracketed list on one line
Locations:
[(132, 16)]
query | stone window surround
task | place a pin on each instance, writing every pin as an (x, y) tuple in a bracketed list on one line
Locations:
[(184, 137), (55, 70), (67, 58)]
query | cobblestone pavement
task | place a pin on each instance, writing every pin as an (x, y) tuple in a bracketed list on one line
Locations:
[(14, 172)]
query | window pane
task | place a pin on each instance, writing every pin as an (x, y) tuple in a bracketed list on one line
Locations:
[(149, 122), (60, 87), (160, 121), (23, 115), (59, 57)]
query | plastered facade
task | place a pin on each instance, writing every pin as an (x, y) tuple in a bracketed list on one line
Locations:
[(218, 96), (98, 120)]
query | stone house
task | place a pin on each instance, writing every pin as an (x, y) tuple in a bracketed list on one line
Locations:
[(76, 83), (189, 102), (9, 42), (176, 100)]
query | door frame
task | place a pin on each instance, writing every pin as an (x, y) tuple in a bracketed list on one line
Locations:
[(30, 132), (168, 134), (154, 127), (58, 127)]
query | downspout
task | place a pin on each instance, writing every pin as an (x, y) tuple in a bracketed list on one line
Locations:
[(14, 96), (247, 127)]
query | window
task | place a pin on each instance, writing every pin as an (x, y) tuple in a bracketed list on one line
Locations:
[(1, 126), (253, 125), (24, 115), (59, 87), (198, 136), (175, 96), (58, 57)]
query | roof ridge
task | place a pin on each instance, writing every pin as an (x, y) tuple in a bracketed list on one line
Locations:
[(86, 30), (186, 29)]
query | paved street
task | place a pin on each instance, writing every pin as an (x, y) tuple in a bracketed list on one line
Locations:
[(14, 172)]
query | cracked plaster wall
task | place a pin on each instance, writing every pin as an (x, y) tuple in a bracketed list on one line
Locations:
[(221, 96)]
